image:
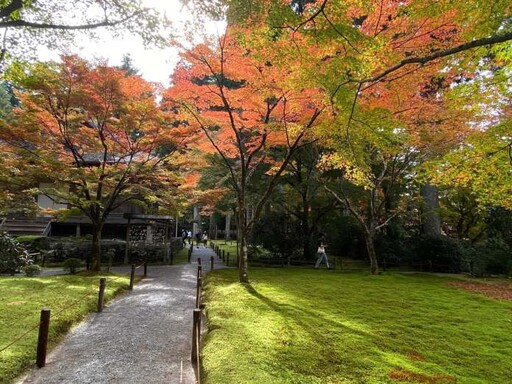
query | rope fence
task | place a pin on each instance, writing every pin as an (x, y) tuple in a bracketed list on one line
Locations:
[(44, 321), (198, 312), (196, 323)]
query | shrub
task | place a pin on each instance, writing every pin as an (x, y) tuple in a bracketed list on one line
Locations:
[(72, 265), (436, 254), (489, 258), (39, 244), (32, 270), (13, 256), (278, 233)]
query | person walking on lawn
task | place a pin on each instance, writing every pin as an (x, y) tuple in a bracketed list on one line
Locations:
[(321, 254)]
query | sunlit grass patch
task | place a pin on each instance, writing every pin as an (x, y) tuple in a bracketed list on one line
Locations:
[(309, 326), (69, 297), (230, 248)]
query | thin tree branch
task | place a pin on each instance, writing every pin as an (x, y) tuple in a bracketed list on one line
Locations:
[(10, 8), (106, 23), (346, 202), (496, 39), (214, 144), (312, 17), (284, 164)]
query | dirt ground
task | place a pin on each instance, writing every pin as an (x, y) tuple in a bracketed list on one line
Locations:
[(495, 288)]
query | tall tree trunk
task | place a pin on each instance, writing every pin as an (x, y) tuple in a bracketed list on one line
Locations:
[(431, 223), (211, 226), (369, 238), (196, 225), (227, 229), (96, 247), (242, 244)]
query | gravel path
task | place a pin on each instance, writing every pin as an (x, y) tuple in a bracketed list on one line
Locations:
[(142, 337)]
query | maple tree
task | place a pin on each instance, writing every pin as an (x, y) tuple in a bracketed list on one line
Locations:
[(376, 159), (247, 111), (303, 197), (95, 137), (384, 66), (483, 166)]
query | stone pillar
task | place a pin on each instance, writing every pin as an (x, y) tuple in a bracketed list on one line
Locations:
[(196, 226), (431, 222), (227, 232)]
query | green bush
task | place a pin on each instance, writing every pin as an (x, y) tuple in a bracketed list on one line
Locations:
[(436, 254), (13, 256), (277, 233), (35, 243), (488, 258), (32, 270), (72, 265)]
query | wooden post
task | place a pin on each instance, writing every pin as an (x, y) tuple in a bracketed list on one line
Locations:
[(223, 254), (211, 263), (199, 271), (195, 334), (199, 261), (198, 291), (132, 276), (101, 293), (167, 253), (42, 341), (145, 268), (127, 247)]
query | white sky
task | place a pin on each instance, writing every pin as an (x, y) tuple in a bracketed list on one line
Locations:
[(153, 64)]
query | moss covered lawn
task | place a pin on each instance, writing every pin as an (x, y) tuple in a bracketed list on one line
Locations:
[(69, 297), (319, 326)]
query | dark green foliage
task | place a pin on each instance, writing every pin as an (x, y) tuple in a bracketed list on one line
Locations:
[(499, 225), (81, 248), (486, 259), (278, 233), (392, 250), (437, 254), (344, 236), (128, 67), (32, 270), (447, 255), (35, 243), (13, 256), (72, 265), (211, 79), (421, 253)]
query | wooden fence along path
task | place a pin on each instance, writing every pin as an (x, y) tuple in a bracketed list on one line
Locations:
[(144, 336)]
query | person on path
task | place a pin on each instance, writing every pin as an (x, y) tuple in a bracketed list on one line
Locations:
[(198, 238), (321, 254), (205, 239), (183, 237)]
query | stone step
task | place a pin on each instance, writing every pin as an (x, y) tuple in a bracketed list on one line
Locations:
[(24, 227)]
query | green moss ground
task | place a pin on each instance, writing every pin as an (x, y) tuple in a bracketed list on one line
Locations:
[(21, 301), (229, 247), (318, 326)]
